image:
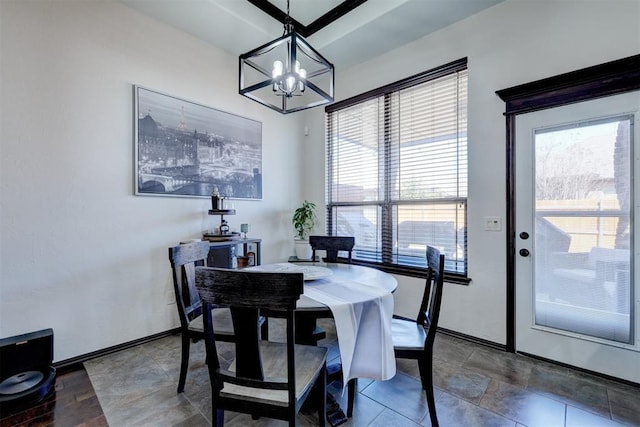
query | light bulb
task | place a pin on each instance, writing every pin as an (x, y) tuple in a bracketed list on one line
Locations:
[(277, 69), (275, 73), (291, 82), (303, 75), (296, 67)]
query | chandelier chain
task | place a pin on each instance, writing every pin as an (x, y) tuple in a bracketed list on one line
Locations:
[(288, 26)]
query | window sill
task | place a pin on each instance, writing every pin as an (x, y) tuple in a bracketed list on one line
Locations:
[(457, 279)]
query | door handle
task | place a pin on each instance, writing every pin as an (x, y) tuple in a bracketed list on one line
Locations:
[(524, 235), (524, 252)]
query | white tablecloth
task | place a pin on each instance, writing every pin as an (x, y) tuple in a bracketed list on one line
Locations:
[(362, 315), (362, 312)]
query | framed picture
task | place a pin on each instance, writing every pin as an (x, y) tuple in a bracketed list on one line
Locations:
[(187, 149)]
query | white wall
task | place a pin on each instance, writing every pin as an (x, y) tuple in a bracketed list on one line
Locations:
[(79, 252), (509, 44)]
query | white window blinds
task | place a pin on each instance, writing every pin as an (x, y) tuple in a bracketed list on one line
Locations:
[(397, 169)]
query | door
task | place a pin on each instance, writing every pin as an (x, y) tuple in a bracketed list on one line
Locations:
[(576, 297)]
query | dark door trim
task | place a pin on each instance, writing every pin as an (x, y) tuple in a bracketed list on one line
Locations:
[(606, 79)]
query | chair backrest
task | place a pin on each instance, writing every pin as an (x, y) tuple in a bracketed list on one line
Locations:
[(184, 259), (332, 245), (246, 293), (432, 297)]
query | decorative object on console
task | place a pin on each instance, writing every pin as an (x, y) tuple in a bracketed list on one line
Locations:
[(287, 74), (187, 149), (215, 199), (224, 227), (243, 261), (244, 228), (252, 258), (223, 233)]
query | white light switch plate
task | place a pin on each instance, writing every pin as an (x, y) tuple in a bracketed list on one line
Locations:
[(492, 223)]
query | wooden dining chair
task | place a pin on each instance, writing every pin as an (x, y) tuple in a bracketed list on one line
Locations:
[(184, 259), (307, 324), (332, 245), (265, 378), (413, 339)]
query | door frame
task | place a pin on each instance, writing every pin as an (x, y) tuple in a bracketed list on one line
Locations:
[(611, 78)]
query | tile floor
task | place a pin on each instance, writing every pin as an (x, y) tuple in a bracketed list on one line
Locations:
[(475, 386)]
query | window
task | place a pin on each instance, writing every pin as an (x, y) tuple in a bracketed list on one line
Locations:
[(397, 170)]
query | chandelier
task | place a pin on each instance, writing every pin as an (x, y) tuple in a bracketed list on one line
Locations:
[(287, 74)]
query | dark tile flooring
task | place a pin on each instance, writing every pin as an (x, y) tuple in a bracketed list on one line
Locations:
[(475, 386)]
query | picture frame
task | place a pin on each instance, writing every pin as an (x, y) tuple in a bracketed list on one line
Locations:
[(186, 149)]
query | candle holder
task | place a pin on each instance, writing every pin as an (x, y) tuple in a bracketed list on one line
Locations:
[(244, 228)]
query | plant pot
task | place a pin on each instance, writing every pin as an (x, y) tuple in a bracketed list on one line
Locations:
[(303, 249)]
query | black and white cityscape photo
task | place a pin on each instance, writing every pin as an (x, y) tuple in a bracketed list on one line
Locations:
[(188, 149)]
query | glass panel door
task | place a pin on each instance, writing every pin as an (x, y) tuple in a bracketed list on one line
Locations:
[(576, 297), (582, 228)]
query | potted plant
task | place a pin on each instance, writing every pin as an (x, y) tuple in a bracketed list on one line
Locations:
[(304, 218)]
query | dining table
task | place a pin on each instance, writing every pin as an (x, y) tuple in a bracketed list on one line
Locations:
[(360, 300)]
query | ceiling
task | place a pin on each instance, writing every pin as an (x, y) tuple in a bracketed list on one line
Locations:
[(369, 30)]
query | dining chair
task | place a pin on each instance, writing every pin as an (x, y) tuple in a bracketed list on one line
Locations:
[(413, 339), (265, 378), (332, 245), (307, 325), (184, 259)]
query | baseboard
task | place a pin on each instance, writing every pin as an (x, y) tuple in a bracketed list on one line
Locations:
[(75, 363), (586, 371), (473, 339)]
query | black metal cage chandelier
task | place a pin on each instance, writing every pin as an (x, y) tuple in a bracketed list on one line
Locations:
[(287, 74)]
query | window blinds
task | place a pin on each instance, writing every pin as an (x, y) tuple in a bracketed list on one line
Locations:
[(397, 171)]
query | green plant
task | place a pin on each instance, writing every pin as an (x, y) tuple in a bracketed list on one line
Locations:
[(304, 218)]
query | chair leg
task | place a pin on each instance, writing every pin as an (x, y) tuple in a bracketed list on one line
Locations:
[(321, 386), (351, 396), (292, 417), (184, 363), (426, 376), (425, 367), (217, 418), (431, 402)]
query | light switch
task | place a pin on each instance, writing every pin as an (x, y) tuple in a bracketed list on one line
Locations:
[(492, 223)]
